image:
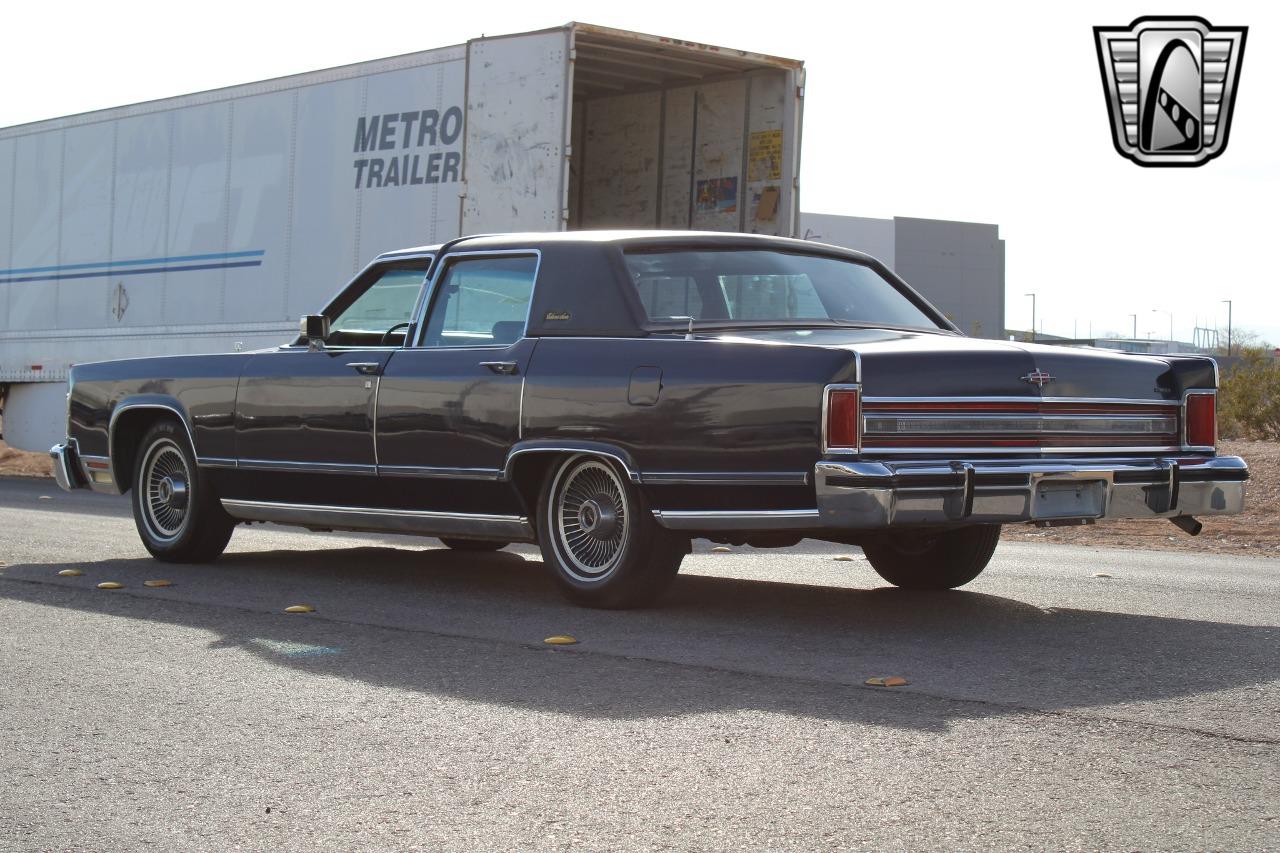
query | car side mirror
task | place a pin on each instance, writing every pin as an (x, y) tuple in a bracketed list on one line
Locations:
[(314, 330)]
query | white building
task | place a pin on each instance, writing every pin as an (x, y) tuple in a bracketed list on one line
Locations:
[(958, 266)]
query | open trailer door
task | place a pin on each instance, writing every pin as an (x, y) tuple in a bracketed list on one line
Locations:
[(517, 122)]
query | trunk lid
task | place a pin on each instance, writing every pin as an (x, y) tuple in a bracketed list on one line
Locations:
[(922, 364)]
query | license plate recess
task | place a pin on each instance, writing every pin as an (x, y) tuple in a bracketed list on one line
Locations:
[(1073, 498)]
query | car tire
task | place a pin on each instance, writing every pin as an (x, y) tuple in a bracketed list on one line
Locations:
[(178, 516), (942, 559), (599, 537), (475, 545)]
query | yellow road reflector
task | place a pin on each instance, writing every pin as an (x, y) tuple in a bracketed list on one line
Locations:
[(887, 681), (721, 549), (110, 585), (300, 608), (160, 582), (560, 640), (1101, 575), (66, 573), (844, 558)]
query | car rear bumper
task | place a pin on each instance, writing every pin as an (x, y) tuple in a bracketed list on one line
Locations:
[(870, 495)]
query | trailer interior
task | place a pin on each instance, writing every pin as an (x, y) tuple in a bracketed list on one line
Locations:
[(672, 134)]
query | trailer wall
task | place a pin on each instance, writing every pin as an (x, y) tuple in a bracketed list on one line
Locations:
[(210, 222), (215, 220)]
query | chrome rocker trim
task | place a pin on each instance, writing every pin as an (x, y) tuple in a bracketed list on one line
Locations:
[(760, 519), (421, 522)]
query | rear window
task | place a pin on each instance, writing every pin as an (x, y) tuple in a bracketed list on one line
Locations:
[(753, 286)]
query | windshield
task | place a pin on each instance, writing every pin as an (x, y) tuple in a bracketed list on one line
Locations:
[(737, 287)]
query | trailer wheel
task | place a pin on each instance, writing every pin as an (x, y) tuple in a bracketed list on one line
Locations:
[(178, 517), (940, 560), (599, 538)]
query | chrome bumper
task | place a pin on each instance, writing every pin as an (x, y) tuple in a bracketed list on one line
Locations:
[(66, 466), (868, 495)]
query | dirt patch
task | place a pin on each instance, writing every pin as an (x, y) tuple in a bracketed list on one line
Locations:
[(1256, 531), (22, 464)]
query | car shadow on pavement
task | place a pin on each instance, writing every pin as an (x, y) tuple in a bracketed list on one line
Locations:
[(471, 626)]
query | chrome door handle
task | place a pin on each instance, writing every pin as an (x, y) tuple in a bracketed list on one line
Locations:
[(505, 368), (368, 368)]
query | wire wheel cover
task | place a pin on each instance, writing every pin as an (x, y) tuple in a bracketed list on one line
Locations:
[(591, 519), (167, 480)]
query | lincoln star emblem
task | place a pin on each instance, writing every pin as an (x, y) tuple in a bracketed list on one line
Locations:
[(1038, 378), (1170, 86)]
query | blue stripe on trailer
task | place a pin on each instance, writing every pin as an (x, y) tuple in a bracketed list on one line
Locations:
[(107, 273), (216, 256)]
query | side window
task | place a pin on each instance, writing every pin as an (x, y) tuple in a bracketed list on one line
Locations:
[(481, 301), (387, 303)]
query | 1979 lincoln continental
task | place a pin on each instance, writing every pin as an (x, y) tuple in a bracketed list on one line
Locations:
[(611, 395)]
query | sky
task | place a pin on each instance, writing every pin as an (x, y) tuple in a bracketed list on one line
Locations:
[(985, 112)]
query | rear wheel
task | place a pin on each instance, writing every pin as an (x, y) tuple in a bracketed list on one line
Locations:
[(472, 544), (600, 539), (178, 517), (942, 559)]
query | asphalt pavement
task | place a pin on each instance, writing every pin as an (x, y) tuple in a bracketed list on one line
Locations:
[(418, 708)]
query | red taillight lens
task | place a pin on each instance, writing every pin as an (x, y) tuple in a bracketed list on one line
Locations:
[(1202, 420), (842, 419)]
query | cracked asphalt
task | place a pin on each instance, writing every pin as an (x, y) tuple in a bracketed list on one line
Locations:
[(418, 708)]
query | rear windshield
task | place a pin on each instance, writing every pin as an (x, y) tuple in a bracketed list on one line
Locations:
[(731, 287)]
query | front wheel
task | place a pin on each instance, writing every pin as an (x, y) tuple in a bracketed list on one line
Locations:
[(942, 559), (599, 537), (177, 514)]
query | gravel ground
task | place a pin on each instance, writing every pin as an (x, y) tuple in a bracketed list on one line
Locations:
[(1048, 707)]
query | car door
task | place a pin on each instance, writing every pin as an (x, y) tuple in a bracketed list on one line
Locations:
[(448, 407), (304, 414)]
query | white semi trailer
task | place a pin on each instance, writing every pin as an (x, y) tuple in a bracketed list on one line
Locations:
[(212, 221)]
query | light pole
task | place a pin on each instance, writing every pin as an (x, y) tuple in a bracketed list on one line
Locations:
[(1170, 313), (1228, 301), (1135, 326), (1033, 316)]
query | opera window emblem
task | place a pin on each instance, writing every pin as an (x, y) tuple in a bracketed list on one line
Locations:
[(1170, 84)]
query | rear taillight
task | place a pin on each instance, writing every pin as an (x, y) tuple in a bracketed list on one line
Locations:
[(843, 419), (1202, 420)]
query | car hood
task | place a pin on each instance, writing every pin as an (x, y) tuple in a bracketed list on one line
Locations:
[(895, 363)]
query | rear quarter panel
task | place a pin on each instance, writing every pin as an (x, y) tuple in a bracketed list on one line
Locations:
[(723, 406)]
